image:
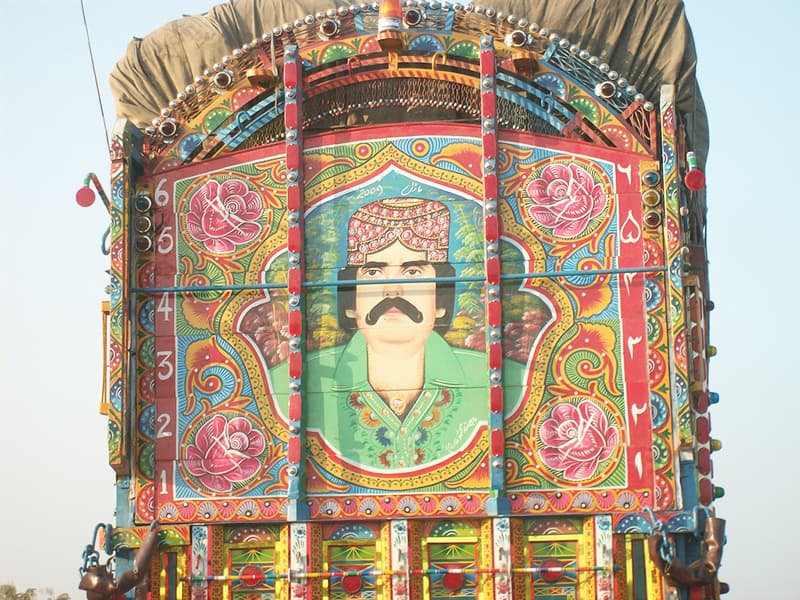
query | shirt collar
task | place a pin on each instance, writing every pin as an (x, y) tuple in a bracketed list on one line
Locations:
[(442, 368)]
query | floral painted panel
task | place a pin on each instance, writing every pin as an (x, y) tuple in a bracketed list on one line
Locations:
[(390, 390)]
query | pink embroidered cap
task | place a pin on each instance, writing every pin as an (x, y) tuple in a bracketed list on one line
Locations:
[(417, 224)]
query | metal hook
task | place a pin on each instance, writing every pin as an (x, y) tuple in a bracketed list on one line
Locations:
[(273, 63), (698, 524), (657, 524), (666, 549), (353, 60), (92, 178), (105, 248), (242, 119), (91, 556), (434, 58)]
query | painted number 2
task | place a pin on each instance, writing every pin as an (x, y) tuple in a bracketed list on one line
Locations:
[(163, 423)]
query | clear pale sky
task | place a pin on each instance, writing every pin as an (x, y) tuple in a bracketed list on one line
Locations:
[(55, 484)]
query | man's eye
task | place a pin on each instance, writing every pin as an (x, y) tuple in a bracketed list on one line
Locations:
[(372, 272), (413, 271)]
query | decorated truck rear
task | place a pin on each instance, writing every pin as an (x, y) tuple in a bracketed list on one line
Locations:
[(409, 301)]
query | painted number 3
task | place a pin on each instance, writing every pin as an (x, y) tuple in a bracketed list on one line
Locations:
[(165, 368)]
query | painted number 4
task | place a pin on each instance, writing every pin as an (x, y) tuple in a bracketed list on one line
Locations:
[(164, 307)]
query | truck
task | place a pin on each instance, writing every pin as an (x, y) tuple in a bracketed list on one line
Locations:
[(409, 299)]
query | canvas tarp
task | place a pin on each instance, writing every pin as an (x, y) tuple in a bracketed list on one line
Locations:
[(647, 41)]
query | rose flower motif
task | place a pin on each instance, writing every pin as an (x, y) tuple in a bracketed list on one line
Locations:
[(565, 198), (224, 215), (576, 439), (225, 452)]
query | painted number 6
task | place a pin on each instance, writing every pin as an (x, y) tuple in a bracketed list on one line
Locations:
[(161, 195)]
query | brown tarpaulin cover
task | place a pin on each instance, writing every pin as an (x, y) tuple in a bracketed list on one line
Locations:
[(647, 41)]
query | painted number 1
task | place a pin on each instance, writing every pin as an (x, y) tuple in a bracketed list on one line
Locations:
[(162, 477)]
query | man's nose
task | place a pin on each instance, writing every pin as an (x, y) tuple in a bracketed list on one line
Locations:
[(392, 290)]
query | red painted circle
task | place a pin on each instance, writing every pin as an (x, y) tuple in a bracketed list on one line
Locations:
[(352, 583), (251, 575), (453, 581), (552, 576)]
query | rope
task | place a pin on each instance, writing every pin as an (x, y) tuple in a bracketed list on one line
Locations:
[(94, 75)]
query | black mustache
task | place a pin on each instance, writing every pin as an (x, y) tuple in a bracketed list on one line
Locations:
[(411, 311)]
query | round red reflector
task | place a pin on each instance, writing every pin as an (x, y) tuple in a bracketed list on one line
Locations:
[(352, 584), (695, 180), (553, 572), (84, 196), (453, 581)]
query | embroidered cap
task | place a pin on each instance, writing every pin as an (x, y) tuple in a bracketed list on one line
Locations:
[(418, 225)]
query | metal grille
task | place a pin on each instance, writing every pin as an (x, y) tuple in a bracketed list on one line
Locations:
[(514, 116), (391, 101), (271, 132), (400, 100)]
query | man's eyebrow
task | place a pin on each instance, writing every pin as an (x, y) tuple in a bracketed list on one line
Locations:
[(415, 263), (379, 265), (373, 265)]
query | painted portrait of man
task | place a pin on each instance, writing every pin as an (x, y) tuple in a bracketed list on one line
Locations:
[(397, 395)]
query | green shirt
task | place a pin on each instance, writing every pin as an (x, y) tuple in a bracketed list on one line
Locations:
[(355, 424)]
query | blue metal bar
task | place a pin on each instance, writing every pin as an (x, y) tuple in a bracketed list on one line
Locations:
[(351, 282)]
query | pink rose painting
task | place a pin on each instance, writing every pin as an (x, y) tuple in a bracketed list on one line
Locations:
[(565, 199), (224, 215), (225, 452), (575, 439)]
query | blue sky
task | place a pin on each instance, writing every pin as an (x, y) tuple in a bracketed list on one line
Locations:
[(54, 477)]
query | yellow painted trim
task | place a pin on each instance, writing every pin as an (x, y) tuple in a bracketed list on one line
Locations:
[(105, 311), (584, 582), (426, 582), (654, 581)]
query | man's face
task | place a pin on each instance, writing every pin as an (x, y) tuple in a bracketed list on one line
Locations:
[(399, 312)]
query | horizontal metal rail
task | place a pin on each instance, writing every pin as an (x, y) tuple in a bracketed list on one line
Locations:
[(389, 573), (352, 282)]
